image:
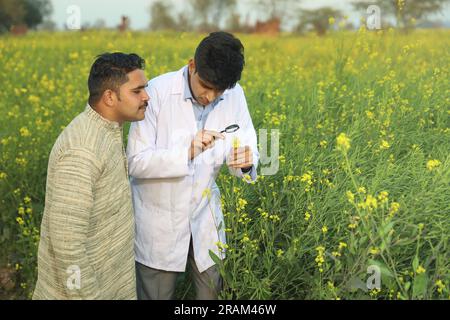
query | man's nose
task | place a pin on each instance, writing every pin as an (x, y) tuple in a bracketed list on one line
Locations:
[(146, 96), (211, 95)]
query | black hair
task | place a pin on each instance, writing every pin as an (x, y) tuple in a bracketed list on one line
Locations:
[(219, 60), (109, 71)]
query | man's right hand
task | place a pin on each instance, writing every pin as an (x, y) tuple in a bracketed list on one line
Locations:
[(203, 140)]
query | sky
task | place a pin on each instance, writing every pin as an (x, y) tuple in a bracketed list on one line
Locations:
[(110, 11)]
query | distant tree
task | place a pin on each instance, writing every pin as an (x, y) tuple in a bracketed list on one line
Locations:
[(211, 13), (224, 9), (271, 11), (47, 25), (84, 26), (406, 12), (183, 22), (276, 8), (317, 19), (161, 17), (202, 12), (233, 23), (28, 12), (36, 11), (99, 24), (11, 13)]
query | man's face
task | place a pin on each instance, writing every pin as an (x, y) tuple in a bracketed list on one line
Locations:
[(203, 92), (133, 97)]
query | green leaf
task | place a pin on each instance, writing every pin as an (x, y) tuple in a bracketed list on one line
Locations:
[(387, 228), (420, 285), (407, 286), (214, 257), (355, 283), (362, 240), (383, 268)]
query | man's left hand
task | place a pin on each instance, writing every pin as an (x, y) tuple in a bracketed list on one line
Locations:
[(241, 157)]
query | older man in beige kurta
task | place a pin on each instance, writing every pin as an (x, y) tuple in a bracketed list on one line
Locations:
[(87, 232)]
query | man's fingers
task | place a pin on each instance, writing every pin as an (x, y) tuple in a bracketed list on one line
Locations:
[(241, 153), (240, 165), (208, 136), (243, 157), (204, 140), (247, 159), (208, 144), (240, 150), (214, 134)]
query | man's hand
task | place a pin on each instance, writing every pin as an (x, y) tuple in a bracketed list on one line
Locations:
[(203, 140), (241, 157)]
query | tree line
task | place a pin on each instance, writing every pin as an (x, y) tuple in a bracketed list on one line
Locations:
[(205, 15), (208, 15)]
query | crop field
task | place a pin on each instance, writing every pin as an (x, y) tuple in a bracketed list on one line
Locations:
[(362, 188)]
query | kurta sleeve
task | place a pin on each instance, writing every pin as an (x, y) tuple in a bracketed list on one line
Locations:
[(145, 160), (70, 207)]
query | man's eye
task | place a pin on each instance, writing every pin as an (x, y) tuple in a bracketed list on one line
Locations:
[(137, 92)]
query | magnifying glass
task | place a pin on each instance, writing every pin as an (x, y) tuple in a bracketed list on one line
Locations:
[(231, 128)]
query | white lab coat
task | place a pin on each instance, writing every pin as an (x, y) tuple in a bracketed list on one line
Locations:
[(169, 197)]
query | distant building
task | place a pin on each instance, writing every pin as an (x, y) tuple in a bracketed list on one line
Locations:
[(271, 26), (18, 30), (125, 24)]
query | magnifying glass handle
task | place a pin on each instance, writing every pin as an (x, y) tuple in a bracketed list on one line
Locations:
[(219, 132)]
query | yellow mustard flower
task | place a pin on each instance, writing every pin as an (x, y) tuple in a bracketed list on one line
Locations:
[(343, 142), (433, 164), (384, 145), (350, 196), (420, 270), (307, 215)]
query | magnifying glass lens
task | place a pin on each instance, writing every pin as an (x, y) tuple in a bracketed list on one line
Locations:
[(232, 128)]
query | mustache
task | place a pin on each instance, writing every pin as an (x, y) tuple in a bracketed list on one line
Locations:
[(145, 104)]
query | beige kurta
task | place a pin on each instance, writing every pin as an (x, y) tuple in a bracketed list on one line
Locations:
[(87, 231)]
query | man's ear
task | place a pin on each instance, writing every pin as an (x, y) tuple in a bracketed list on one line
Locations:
[(191, 66), (109, 97)]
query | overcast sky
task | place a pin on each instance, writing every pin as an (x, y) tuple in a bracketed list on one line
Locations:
[(110, 11)]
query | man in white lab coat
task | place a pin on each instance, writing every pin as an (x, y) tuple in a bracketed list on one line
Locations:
[(174, 156)]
